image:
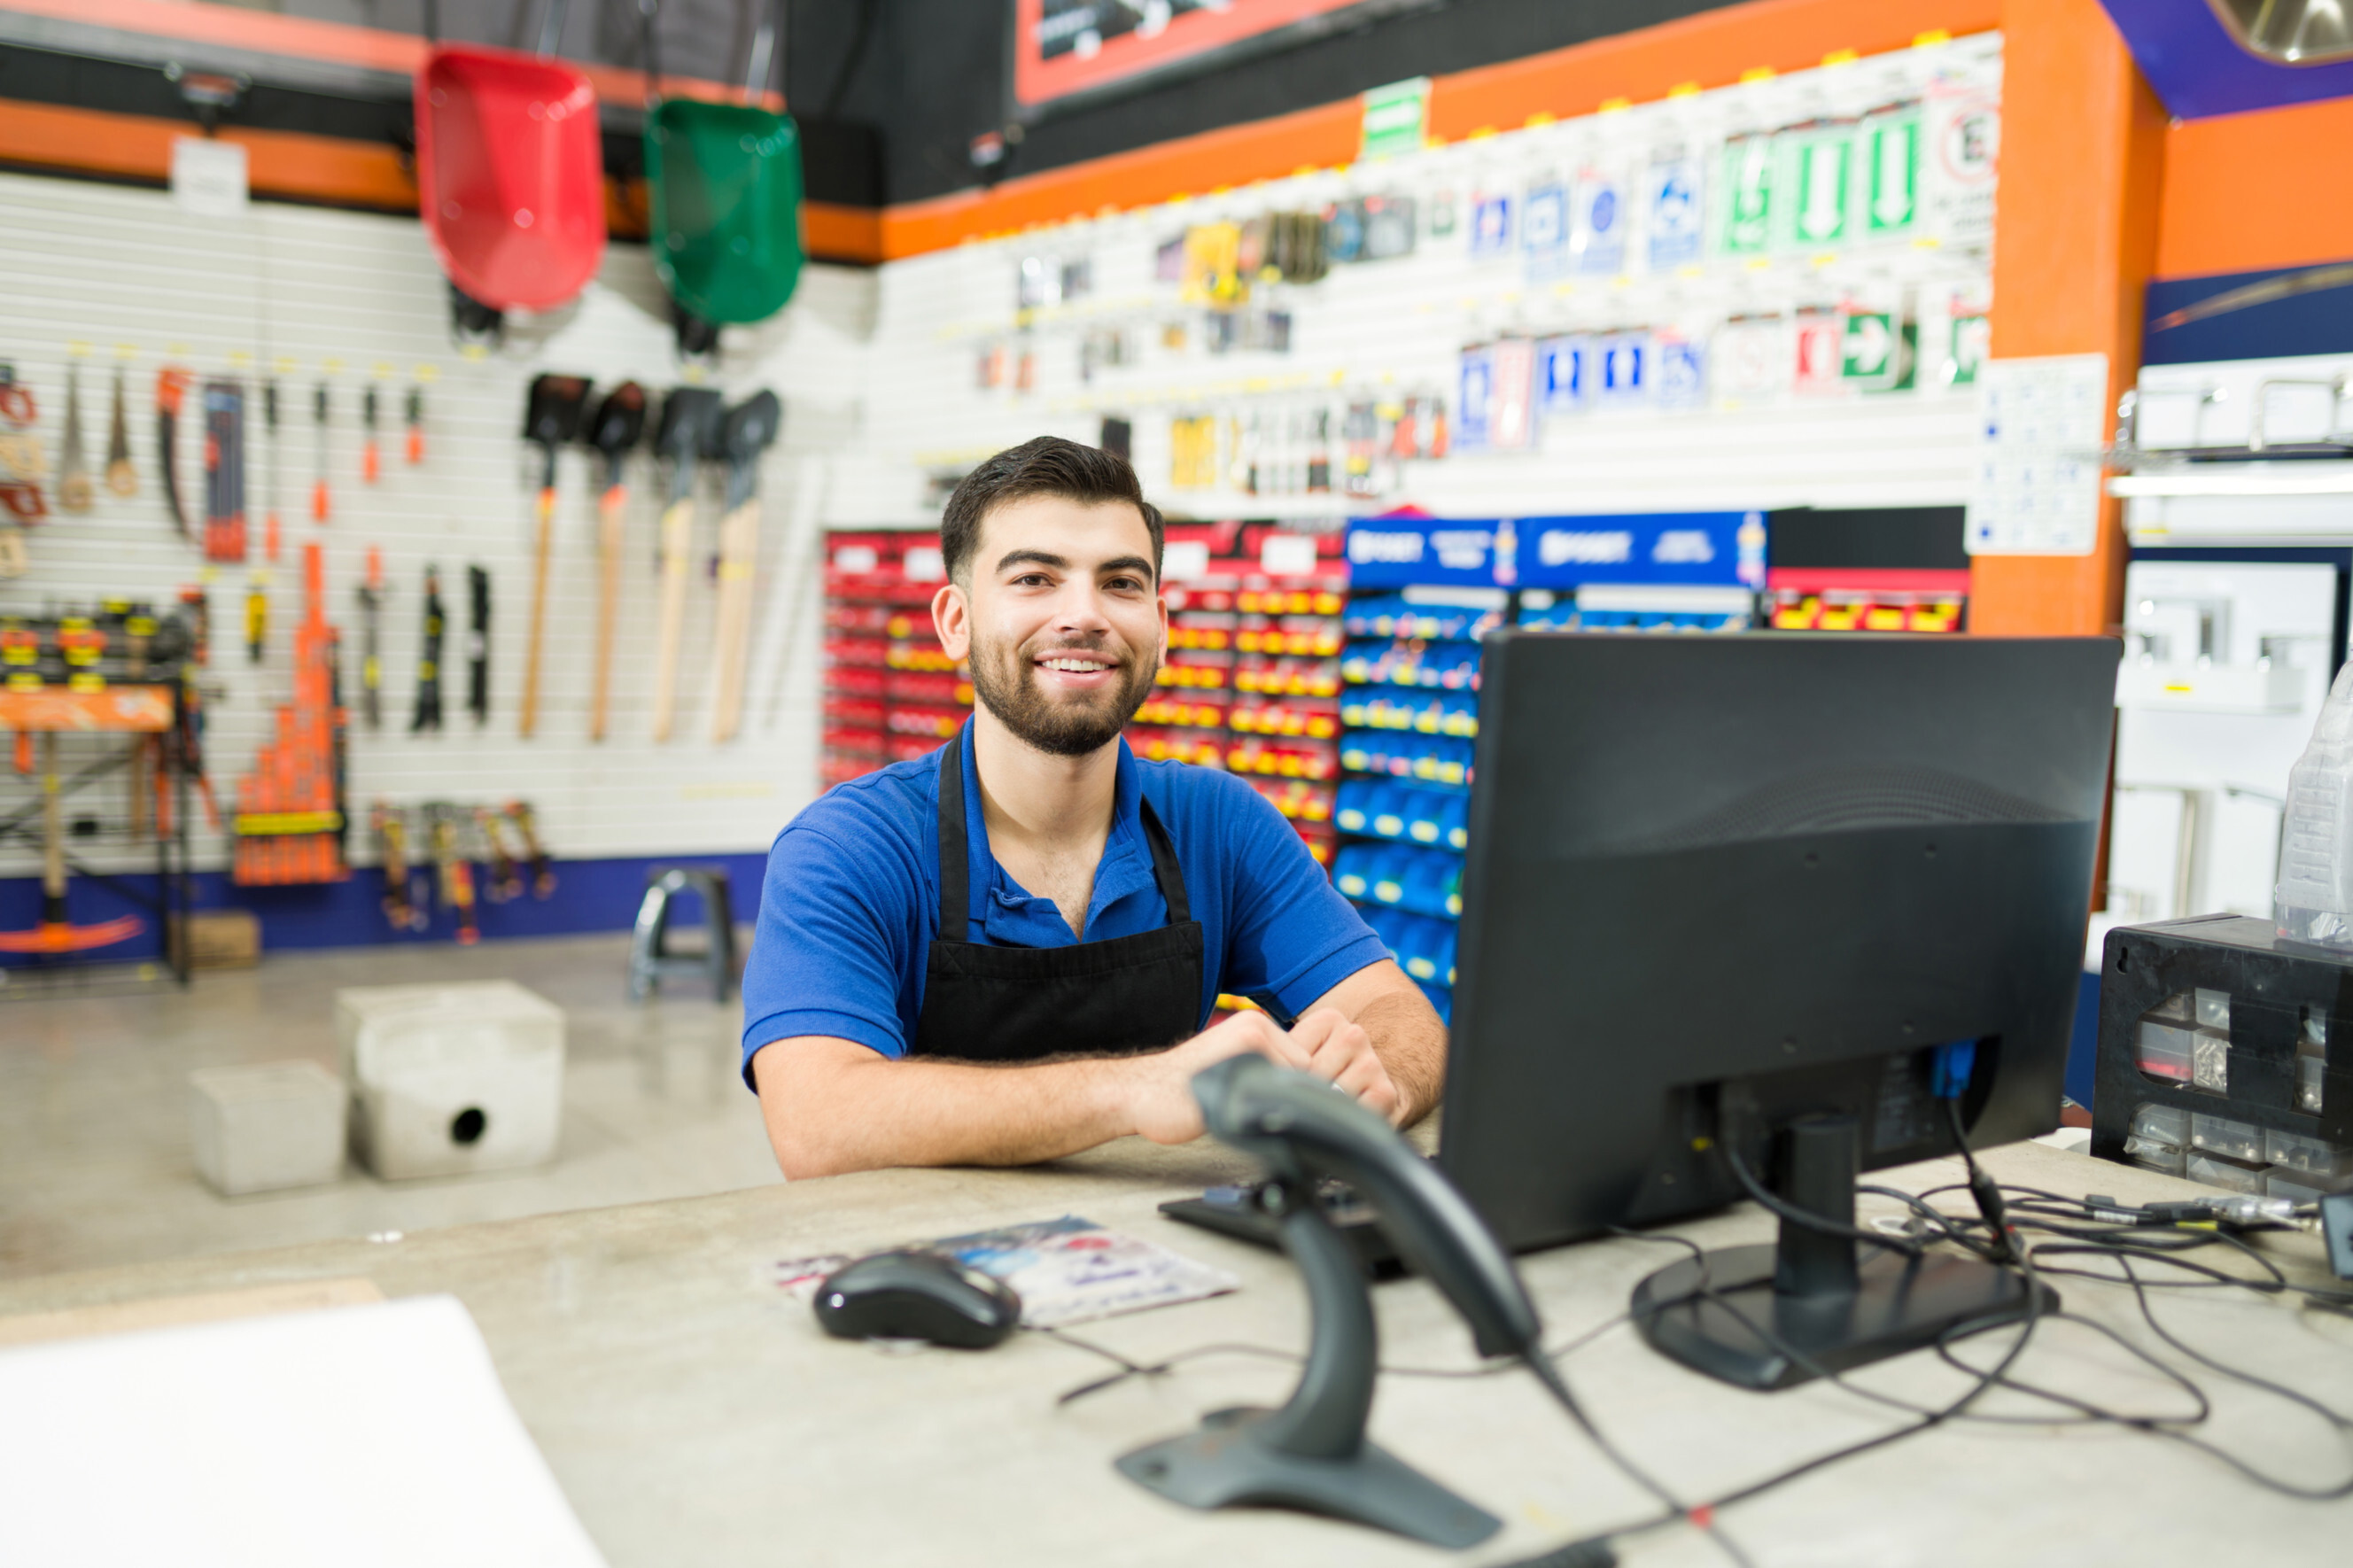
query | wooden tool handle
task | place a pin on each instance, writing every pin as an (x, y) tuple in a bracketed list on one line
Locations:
[(677, 539), (610, 508), (53, 822), (529, 722), (739, 549)]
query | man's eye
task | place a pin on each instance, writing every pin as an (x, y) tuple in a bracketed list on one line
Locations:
[(1126, 584), (1029, 579)]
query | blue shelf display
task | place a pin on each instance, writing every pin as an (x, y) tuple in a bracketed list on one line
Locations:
[(1424, 590)]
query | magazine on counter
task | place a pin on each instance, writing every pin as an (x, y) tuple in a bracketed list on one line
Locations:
[(1066, 1270)]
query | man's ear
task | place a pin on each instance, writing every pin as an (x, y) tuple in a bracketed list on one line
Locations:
[(951, 619)]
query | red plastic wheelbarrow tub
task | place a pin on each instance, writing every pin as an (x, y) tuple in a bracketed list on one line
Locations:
[(510, 174)]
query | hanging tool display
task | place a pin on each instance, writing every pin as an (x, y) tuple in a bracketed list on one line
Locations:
[(551, 418), (21, 467), (75, 492), (543, 876), (455, 872), (196, 612), (414, 417), (323, 496), (403, 912), (723, 190), (289, 808), (56, 933), (429, 661), (504, 882), (371, 454), (122, 474), (269, 527), (478, 643), (510, 176), (620, 423), (224, 405), (171, 394), (689, 416), (256, 619), (371, 595), (745, 433)]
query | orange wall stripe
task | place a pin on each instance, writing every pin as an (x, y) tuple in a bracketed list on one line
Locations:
[(2075, 243), (1712, 50), (279, 162), (2246, 191)]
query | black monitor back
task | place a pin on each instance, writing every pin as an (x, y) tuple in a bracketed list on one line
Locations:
[(1717, 882)]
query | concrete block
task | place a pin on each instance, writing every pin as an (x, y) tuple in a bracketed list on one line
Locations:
[(449, 1080), (266, 1127)]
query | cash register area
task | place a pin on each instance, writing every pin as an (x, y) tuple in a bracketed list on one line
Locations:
[(1792, 558)]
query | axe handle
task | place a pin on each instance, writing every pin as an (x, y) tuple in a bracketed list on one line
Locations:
[(529, 722), (610, 507), (739, 547), (676, 540)]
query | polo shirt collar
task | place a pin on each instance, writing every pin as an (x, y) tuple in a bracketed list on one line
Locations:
[(1008, 914)]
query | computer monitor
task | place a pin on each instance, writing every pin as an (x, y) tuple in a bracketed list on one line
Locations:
[(1740, 895)]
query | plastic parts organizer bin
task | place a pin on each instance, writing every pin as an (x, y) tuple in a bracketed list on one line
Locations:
[(2223, 1056)]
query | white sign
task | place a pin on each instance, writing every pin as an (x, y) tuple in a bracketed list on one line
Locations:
[(922, 563), (1286, 554), (208, 177), (1183, 560), (2040, 423)]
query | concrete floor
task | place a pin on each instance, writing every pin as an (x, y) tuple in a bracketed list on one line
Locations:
[(95, 1168)]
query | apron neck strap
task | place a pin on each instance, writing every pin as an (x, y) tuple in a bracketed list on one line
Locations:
[(956, 865)]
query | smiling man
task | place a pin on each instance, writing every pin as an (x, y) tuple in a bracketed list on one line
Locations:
[(1008, 951)]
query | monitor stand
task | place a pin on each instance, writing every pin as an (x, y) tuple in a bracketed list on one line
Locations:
[(1810, 1293), (1312, 1453)]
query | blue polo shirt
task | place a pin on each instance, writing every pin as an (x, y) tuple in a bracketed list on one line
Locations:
[(852, 900)]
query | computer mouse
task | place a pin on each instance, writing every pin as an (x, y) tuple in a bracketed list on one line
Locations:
[(914, 1295)]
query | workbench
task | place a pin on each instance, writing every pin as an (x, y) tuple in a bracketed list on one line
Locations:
[(694, 1415)]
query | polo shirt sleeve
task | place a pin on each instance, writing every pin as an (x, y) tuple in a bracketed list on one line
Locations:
[(1290, 937), (828, 954)]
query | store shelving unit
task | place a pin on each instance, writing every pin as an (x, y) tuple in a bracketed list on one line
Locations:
[(892, 694), (1252, 682)]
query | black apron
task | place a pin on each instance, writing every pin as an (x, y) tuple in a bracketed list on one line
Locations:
[(1124, 995)]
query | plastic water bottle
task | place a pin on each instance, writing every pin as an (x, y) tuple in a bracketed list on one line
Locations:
[(2313, 900)]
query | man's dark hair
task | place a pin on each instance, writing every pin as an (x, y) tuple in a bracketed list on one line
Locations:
[(1042, 466)]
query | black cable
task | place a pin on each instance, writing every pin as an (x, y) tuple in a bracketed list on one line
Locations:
[(1982, 1187), (1806, 1218)]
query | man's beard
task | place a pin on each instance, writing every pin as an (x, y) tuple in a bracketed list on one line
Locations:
[(1005, 680)]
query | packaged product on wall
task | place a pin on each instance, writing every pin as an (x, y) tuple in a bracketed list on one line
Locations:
[(1878, 344), (1390, 227), (1562, 379), (1961, 131), (1598, 218), (1678, 369), (1745, 195), (1212, 262), (1674, 210), (1819, 353), (1967, 341), (1543, 229), (1344, 232), (1887, 186), (1622, 361), (1752, 362), (1817, 169), (1492, 225), (1511, 426), (1475, 405)]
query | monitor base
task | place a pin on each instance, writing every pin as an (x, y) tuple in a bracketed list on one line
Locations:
[(1898, 1304), (1229, 1463)]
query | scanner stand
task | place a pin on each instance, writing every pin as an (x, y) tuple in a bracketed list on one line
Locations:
[(1312, 1453), (1810, 1293)]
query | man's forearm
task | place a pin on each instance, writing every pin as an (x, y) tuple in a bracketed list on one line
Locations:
[(1411, 1043), (828, 1113)]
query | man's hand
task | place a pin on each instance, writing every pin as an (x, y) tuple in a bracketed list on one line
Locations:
[(1342, 1054), (1161, 1105)]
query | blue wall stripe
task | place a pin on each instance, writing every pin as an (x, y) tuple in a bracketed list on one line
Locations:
[(2319, 321), (589, 896)]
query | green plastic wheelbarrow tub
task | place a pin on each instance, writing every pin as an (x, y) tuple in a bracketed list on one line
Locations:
[(726, 181)]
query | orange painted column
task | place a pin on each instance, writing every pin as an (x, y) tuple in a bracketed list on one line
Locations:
[(2075, 229)]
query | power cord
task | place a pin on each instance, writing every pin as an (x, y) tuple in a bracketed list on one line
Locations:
[(1806, 1218)]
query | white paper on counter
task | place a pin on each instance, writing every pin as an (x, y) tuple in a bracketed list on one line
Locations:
[(365, 1437)]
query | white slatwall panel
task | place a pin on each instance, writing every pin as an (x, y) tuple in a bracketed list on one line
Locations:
[(106, 265), (1397, 325)]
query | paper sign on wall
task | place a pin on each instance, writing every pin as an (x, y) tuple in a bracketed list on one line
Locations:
[(208, 178), (2039, 425)]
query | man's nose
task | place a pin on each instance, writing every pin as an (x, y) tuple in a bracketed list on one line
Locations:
[(1079, 609)]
